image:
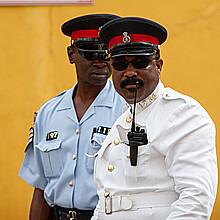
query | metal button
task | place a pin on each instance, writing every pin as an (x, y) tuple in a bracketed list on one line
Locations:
[(45, 149), (167, 95), (128, 119), (116, 141), (128, 156), (107, 194), (110, 168), (77, 131), (70, 184), (74, 157), (101, 144)]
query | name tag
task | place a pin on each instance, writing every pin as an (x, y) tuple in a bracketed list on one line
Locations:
[(103, 130), (52, 135)]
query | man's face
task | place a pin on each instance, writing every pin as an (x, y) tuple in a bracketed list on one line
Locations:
[(90, 72), (148, 77)]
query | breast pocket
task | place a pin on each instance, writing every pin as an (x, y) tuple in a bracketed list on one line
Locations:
[(139, 174), (93, 148), (51, 158)]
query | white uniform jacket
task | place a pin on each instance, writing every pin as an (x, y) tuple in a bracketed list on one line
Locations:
[(176, 172)]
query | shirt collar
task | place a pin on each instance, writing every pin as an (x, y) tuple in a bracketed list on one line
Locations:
[(104, 98)]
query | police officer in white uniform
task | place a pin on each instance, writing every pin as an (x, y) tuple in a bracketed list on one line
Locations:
[(174, 173), (70, 128)]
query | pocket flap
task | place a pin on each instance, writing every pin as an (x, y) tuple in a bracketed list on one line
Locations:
[(98, 138), (50, 146)]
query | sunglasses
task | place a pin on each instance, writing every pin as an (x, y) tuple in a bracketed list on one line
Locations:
[(137, 64), (93, 54)]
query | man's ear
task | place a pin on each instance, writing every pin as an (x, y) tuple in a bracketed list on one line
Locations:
[(70, 52), (159, 64)]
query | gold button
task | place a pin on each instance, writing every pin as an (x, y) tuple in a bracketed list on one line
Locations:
[(74, 157), (116, 142), (77, 131), (45, 149), (110, 168), (167, 95), (128, 119), (70, 184), (101, 144), (107, 194), (128, 156)]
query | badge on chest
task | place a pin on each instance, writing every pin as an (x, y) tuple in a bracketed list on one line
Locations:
[(52, 135), (101, 130)]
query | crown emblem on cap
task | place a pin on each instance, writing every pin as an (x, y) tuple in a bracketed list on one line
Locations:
[(126, 38)]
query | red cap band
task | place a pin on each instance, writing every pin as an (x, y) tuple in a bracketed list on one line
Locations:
[(84, 33), (133, 38)]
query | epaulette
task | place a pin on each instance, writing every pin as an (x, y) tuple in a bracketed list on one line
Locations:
[(54, 98), (60, 94), (31, 134), (167, 96), (172, 95)]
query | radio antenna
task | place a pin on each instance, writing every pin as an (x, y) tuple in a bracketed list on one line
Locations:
[(135, 100)]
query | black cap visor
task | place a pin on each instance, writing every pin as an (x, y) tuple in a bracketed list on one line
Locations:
[(91, 46), (133, 49)]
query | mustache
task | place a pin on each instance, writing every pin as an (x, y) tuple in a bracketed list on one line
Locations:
[(131, 81)]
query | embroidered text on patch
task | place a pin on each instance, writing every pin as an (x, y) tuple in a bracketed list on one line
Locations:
[(52, 135)]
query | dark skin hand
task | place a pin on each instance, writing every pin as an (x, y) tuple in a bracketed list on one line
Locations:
[(40, 210)]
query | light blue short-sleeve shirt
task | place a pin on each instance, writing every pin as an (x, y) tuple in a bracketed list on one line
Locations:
[(61, 160)]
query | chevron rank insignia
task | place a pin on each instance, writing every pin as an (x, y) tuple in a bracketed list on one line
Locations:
[(31, 134), (30, 138)]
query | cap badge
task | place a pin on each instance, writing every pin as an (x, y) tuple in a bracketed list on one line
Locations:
[(126, 38)]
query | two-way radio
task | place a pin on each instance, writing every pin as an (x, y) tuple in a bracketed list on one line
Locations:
[(136, 137)]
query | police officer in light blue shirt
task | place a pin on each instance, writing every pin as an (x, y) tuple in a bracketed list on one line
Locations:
[(70, 128)]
